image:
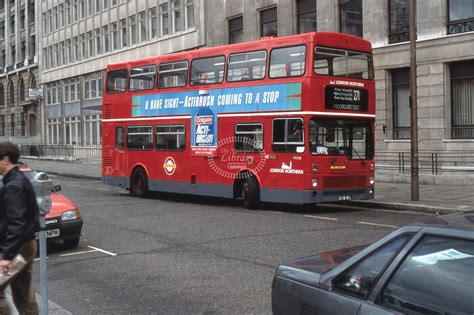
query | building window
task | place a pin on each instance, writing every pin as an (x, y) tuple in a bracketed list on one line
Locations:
[(268, 22), (105, 34), (72, 133), (153, 23), (350, 12), (123, 29), (98, 41), (132, 21), (52, 130), (306, 15), (76, 49), (83, 47), (11, 90), (236, 30), (23, 124), (21, 88), (92, 130), (52, 94), (90, 44), (2, 95), (2, 125), (401, 103), (12, 125), (114, 33), (399, 25), (462, 100), (176, 15), (61, 15), (164, 18), (143, 26), (461, 16), (189, 12)]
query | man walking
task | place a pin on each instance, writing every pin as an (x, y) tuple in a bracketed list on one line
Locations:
[(19, 214)]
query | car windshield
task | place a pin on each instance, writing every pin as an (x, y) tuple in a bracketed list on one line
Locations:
[(339, 137)]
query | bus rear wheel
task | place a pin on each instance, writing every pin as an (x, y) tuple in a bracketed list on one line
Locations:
[(250, 192), (139, 183)]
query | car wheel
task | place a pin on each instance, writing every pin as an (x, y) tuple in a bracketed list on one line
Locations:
[(71, 242), (250, 192), (139, 183)]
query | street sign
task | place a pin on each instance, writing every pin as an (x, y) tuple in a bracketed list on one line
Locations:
[(35, 93)]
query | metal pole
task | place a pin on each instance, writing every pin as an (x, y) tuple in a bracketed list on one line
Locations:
[(415, 187), (43, 267)]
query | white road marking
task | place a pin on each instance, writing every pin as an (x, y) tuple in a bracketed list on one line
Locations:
[(322, 218), (103, 251), (36, 259), (78, 253), (377, 224)]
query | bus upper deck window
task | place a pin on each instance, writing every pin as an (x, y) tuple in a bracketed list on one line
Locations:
[(207, 70), (172, 74), (117, 81), (142, 78), (287, 62), (247, 66), (343, 63)]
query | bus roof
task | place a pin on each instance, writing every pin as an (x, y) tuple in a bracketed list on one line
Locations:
[(330, 39)]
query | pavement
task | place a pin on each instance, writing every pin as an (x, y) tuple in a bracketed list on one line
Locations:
[(439, 199)]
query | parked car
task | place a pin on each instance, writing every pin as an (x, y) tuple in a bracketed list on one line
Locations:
[(64, 221), (425, 268)]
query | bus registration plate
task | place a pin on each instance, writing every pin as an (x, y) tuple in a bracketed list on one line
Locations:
[(345, 198)]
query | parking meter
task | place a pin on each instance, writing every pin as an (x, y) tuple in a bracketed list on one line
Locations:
[(43, 185)]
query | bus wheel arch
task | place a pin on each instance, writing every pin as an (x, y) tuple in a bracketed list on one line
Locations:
[(139, 182), (247, 188)]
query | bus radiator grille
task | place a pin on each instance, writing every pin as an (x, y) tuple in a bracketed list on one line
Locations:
[(342, 181)]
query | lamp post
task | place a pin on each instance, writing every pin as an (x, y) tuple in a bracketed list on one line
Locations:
[(415, 185)]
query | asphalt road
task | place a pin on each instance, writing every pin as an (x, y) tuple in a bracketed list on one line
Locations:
[(188, 255)]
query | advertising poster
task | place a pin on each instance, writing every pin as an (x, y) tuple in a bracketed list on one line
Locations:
[(204, 132)]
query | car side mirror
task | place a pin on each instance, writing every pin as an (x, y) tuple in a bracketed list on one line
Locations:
[(56, 188)]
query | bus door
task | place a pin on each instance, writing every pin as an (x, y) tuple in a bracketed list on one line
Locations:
[(119, 161)]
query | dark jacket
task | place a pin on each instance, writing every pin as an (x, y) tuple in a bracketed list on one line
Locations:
[(19, 213)]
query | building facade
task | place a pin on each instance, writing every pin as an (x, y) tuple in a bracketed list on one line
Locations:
[(82, 36), (20, 115)]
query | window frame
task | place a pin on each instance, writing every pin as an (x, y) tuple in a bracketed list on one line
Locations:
[(396, 36), (186, 77), (139, 126), (286, 143), (236, 134), (130, 78), (231, 30), (224, 70), (269, 61), (450, 22), (341, 2), (247, 52), (261, 23), (126, 82), (170, 133)]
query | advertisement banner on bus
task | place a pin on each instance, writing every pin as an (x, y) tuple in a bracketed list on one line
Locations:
[(204, 132), (273, 97)]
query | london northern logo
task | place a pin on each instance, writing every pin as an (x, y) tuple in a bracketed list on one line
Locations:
[(169, 166)]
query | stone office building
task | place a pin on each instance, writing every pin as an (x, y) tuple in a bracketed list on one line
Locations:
[(20, 116), (82, 36)]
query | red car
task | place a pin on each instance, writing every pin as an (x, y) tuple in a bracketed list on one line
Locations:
[(63, 222)]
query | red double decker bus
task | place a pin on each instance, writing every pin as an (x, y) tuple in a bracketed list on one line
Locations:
[(288, 119)]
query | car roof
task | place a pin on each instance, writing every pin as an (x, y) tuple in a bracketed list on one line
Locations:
[(462, 221)]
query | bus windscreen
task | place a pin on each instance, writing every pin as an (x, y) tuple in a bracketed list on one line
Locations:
[(334, 137)]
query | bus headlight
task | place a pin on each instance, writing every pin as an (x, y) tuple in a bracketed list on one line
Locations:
[(314, 182), (371, 180), (69, 215)]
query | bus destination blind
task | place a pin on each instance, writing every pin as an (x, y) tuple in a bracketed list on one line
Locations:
[(346, 98)]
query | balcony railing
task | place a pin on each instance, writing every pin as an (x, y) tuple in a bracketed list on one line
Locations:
[(462, 132), (398, 37), (461, 26)]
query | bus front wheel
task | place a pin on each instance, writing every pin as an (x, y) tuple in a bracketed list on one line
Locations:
[(139, 183), (250, 192)]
